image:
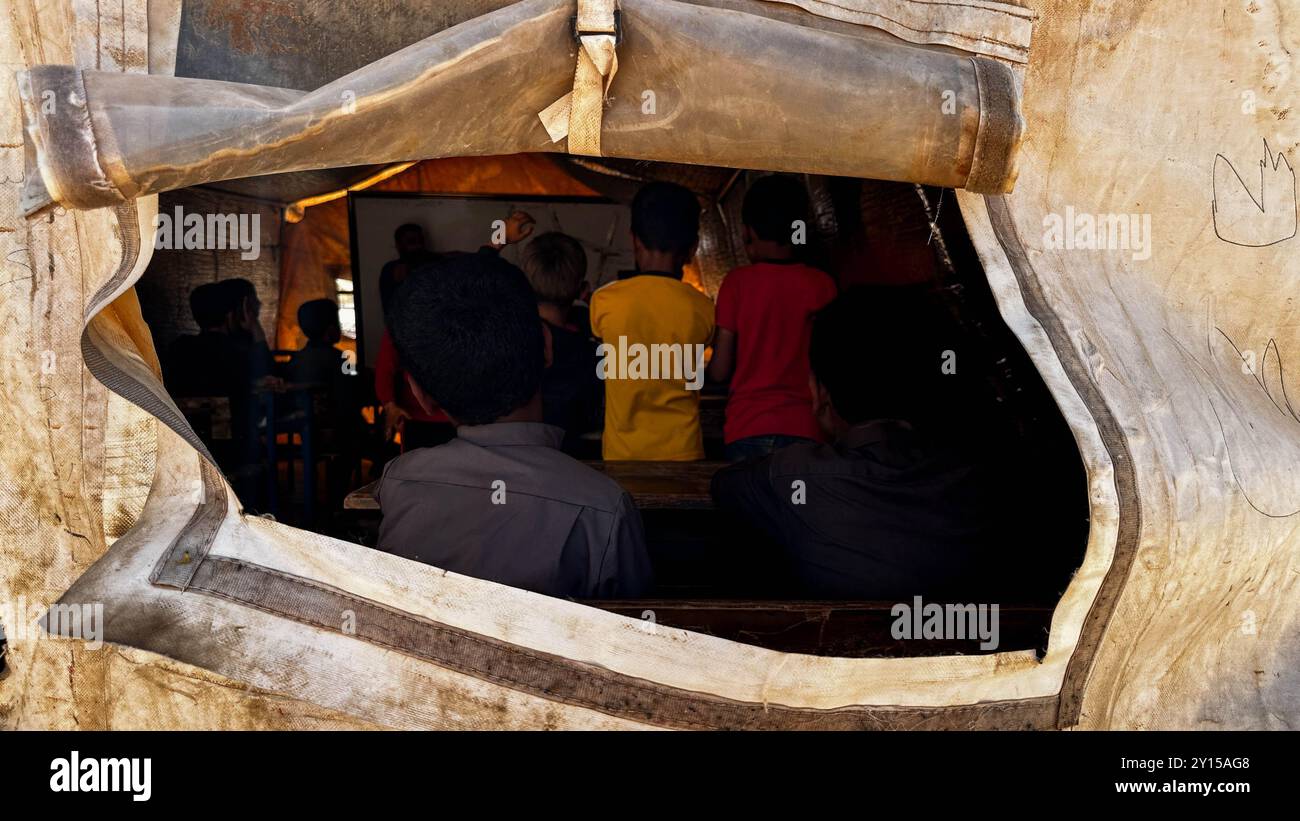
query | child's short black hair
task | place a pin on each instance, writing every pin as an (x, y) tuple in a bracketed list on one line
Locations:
[(666, 217), (772, 204), (236, 291), (210, 303), (317, 318), (466, 329)]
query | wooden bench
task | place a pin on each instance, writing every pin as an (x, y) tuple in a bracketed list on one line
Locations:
[(828, 628), (652, 485)]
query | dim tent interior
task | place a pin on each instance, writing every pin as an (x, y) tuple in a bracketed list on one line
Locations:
[(217, 619), (315, 239)]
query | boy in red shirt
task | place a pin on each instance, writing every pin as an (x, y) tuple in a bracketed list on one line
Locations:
[(764, 319)]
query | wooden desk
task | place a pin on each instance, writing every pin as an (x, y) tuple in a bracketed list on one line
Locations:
[(664, 485), (653, 485)]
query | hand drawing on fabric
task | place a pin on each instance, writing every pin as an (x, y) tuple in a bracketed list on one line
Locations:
[(1241, 218), (1284, 407)]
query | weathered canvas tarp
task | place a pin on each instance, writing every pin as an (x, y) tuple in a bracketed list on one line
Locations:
[(1177, 121), (868, 108), (1183, 614)]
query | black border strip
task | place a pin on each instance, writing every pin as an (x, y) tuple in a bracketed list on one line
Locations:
[(998, 137), (178, 565), (564, 680)]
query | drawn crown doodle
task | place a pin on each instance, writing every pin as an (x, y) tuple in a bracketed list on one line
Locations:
[(1243, 217)]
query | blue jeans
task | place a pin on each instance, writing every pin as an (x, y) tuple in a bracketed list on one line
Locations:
[(753, 447)]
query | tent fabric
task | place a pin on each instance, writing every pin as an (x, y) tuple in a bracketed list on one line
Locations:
[(868, 108), (78, 460), (1183, 614), (1182, 344), (304, 45), (991, 29)]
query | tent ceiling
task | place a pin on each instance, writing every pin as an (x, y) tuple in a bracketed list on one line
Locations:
[(291, 187)]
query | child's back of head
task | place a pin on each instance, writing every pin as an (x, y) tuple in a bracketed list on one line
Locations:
[(556, 267), (879, 352), (466, 329), (211, 305), (319, 321), (774, 207), (666, 219)]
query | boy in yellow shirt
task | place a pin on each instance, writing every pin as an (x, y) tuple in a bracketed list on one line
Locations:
[(654, 328)]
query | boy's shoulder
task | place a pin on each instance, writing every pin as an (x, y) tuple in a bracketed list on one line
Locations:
[(545, 473), (610, 290), (800, 270), (695, 295), (683, 290), (640, 286), (785, 282)]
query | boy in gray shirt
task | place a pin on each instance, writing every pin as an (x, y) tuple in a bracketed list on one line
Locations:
[(500, 501)]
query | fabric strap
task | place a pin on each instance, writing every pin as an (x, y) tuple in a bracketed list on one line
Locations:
[(578, 114)]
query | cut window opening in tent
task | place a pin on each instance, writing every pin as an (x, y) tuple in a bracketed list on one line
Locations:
[(287, 452)]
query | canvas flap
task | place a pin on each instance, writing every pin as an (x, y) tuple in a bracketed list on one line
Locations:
[(695, 84)]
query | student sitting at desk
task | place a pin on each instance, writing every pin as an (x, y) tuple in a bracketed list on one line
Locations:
[(421, 427), (247, 333), (227, 359), (318, 362), (206, 363), (326, 393), (500, 501), (894, 507)]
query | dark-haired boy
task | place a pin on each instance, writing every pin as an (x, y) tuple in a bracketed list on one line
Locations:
[(228, 358), (246, 331), (420, 428), (320, 364), (206, 363), (893, 507), (764, 320), (318, 360), (500, 501), (654, 328)]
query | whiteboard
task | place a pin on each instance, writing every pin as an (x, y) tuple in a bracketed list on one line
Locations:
[(464, 223)]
